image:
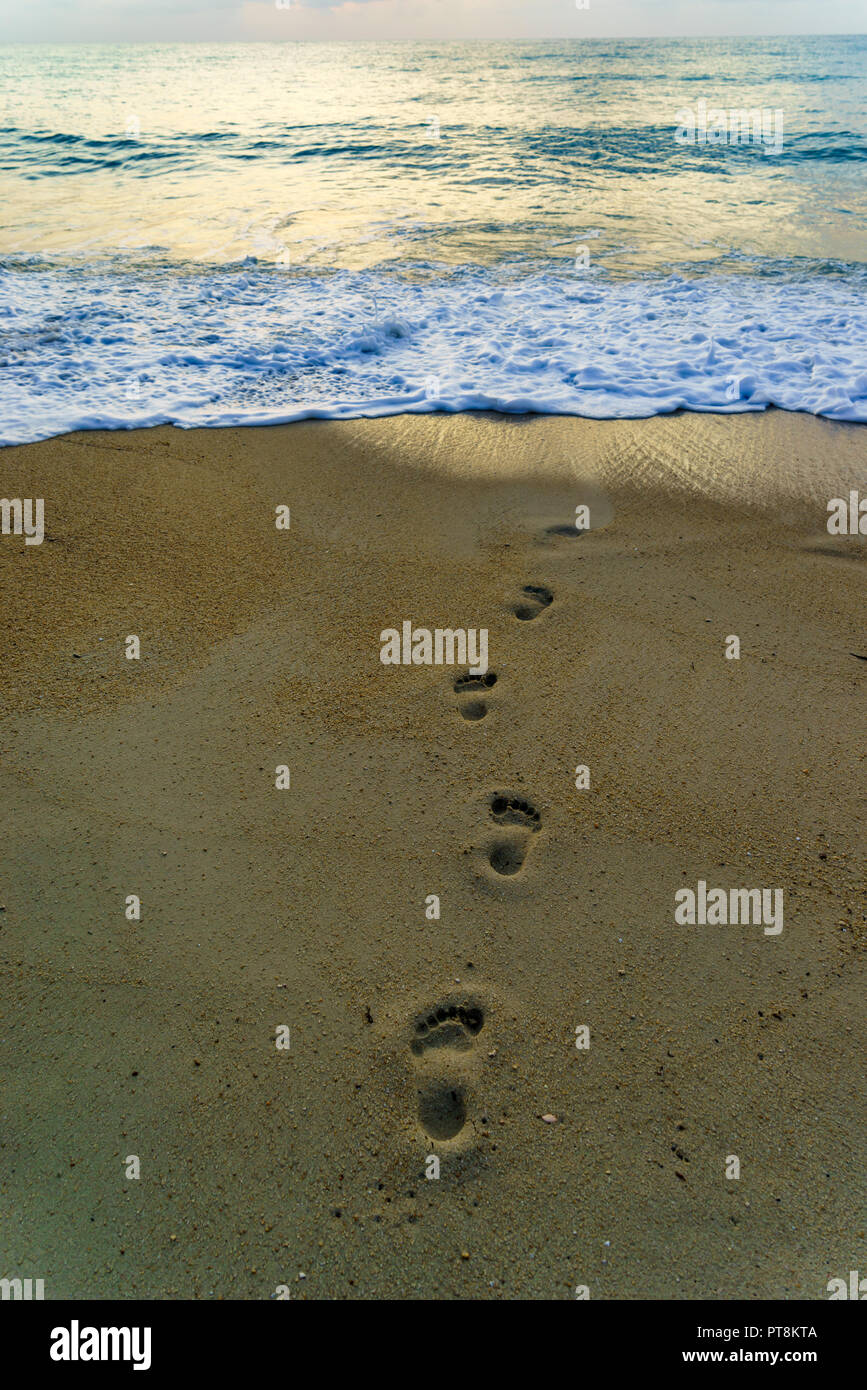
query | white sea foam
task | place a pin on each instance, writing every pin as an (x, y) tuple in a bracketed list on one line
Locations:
[(259, 345)]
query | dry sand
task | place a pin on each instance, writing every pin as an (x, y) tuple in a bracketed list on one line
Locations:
[(306, 907)]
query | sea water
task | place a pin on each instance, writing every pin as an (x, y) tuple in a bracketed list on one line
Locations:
[(253, 233)]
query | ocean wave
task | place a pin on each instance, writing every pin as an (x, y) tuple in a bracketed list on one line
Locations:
[(522, 152), (114, 349)]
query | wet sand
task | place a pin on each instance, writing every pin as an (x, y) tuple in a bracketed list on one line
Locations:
[(305, 908)]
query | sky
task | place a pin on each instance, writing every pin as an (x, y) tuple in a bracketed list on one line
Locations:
[(115, 21)]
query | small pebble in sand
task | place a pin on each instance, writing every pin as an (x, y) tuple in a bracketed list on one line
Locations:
[(549, 1119)]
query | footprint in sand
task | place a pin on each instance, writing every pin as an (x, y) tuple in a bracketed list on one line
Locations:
[(468, 690), (566, 528), (441, 1039), (509, 851), (535, 599)]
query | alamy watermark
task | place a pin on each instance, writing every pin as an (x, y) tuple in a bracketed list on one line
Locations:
[(856, 1287), (77, 1343), (848, 517), (21, 1289), (720, 907), (444, 645), (704, 125), (23, 516)]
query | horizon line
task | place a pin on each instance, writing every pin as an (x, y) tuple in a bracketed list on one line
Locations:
[(545, 38)]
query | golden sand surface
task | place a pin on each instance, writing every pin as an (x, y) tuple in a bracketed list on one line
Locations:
[(308, 908)]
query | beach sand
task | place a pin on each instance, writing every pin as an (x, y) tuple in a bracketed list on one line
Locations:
[(306, 908)]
